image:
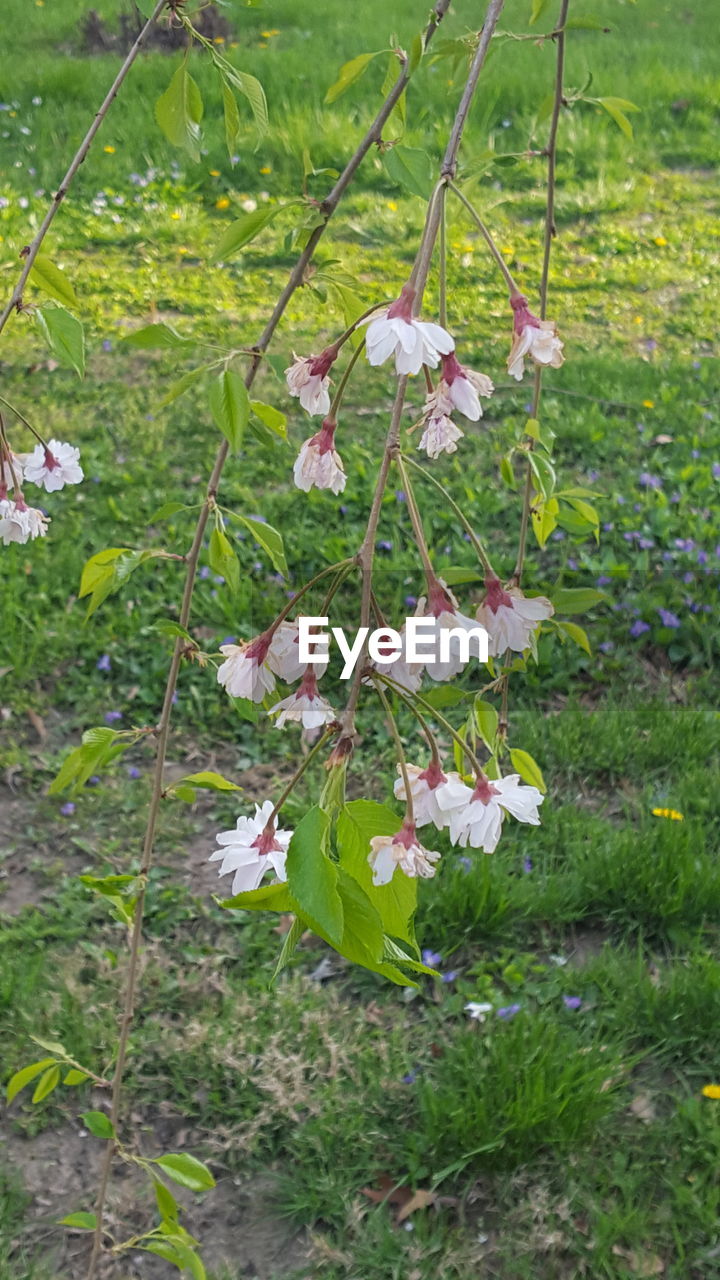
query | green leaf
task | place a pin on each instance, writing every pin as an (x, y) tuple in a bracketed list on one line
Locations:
[(395, 902), (24, 1076), (349, 73), (231, 115), (292, 937), (64, 335), (99, 747), (187, 1171), (245, 229), (363, 941), (523, 763), (576, 599), (312, 876), (52, 280), (575, 633), (184, 384), (51, 1046), (74, 1077), (98, 1124), (47, 1082), (250, 88), (179, 111), (417, 49), (210, 781), (174, 1249), (506, 471), (445, 695), (230, 406), (268, 897), (616, 108), (538, 9), (106, 572), (82, 1221), (543, 474), (157, 337), (268, 538), (544, 519), (167, 1204), (410, 168), (223, 559), (270, 417), (486, 718), (166, 510)]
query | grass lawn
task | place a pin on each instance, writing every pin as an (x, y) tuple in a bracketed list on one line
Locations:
[(567, 1137)]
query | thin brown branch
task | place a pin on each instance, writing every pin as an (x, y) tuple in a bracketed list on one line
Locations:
[(30, 254)]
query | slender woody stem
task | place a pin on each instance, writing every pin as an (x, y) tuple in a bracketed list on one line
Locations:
[(512, 287), (338, 397), (31, 253), (395, 733), (550, 232), (482, 553), (295, 280)]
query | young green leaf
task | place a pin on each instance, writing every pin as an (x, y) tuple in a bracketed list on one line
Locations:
[(52, 281), (64, 335), (312, 876), (251, 89), (187, 1171), (395, 902), (81, 1221), (223, 559), (616, 108), (576, 634), (179, 111), (25, 1076), (268, 538), (410, 168), (156, 336), (349, 73), (576, 599), (523, 763), (543, 474), (230, 406), (166, 1202), (74, 1077), (245, 229), (98, 1124), (210, 781), (486, 719), (270, 417), (47, 1082), (232, 120), (538, 9)]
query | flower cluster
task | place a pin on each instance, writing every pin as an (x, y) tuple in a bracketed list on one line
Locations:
[(249, 671), (50, 466)]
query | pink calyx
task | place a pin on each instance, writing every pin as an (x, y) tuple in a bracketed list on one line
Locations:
[(266, 843), (320, 365), (496, 595), (433, 775), (484, 790), (402, 308), (522, 315)]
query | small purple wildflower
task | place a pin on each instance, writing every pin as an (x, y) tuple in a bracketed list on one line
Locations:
[(229, 640), (638, 628), (431, 958), (112, 716), (204, 572), (685, 544), (67, 809), (410, 1078), (527, 865), (688, 578), (558, 536), (410, 602), (465, 863), (103, 663), (509, 1011), (716, 470), (400, 495), (668, 619), (603, 580), (384, 545), (572, 1002), (133, 772), (450, 976), (647, 480), (694, 453), (572, 563), (607, 646), (93, 781), (702, 557), (646, 543), (107, 344)]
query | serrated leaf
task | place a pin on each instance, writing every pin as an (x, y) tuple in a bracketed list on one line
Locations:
[(395, 902), (417, 49), (210, 781), (252, 91), (230, 406), (245, 229), (223, 560), (543, 474), (179, 111), (268, 897), (270, 417), (523, 763), (156, 337), (486, 719), (167, 510), (349, 73), (410, 168), (81, 1221), (98, 1124), (544, 519), (268, 538), (52, 280), (616, 108), (232, 120), (23, 1077), (64, 335), (506, 471), (183, 384), (576, 599), (312, 876), (186, 1171), (292, 938), (48, 1081)]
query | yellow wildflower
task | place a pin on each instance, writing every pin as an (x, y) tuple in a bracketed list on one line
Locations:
[(266, 168), (222, 203), (711, 1090), (392, 206), (214, 173), (110, 151), (219, 40), (669, 813), (660, 241), (648, 404), (176, 215)]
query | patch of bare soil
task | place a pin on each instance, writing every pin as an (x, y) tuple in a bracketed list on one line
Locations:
[(60, 1167), (168, 34)]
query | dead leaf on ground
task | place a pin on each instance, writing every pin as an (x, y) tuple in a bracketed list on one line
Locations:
[(643, 1107), (641, 1264), (406, 1200), (37, 723)]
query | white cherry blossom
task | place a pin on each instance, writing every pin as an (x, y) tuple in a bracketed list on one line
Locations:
[(244, 673), (402, 850), (463, 387), (433, 793), (413, 342), (53, 466), (441, 605), (307, 379), (478, 821), (283, 655), (319, 463), (440, 435), (20, 523), (253, 848), (306, 706), (535, 338), (510, 618)]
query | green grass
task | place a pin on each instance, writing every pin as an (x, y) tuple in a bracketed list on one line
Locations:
[(562, 1142)]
